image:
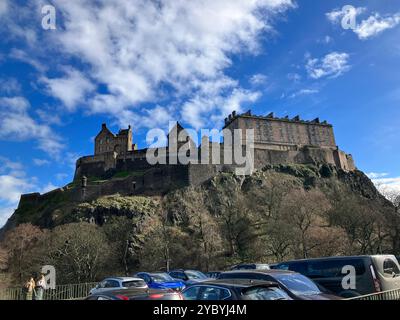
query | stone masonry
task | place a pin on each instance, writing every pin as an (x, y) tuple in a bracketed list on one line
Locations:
[(277, 141)]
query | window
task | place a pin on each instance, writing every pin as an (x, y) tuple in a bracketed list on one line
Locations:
[(281, 267), (145, 277), (265, 294), (161, 277), (191, 293), (214, 293), (111, 284), (195, 275), (134, 284), (178, 275), (326, 268), (298, 284), (390, 268)]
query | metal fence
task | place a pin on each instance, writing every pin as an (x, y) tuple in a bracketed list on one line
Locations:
[(380, 296), (61, 292)]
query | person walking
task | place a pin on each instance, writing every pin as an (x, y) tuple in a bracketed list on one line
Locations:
[(30, 289), (40, 287)]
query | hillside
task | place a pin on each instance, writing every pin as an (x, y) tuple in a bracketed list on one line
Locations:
[(278, 213)]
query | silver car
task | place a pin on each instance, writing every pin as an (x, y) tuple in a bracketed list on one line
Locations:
[(116, 283)]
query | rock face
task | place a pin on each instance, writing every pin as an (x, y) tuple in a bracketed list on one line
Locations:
[(245, 217), (63, 205)]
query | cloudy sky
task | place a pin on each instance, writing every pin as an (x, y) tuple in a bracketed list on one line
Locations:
[(144, 63)]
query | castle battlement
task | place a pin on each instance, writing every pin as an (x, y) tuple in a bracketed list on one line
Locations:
[(271, 116)]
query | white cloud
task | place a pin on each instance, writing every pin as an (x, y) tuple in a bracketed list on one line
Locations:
[(375, 25), (368, 28), (48, 187), (258, 79), (332, 65), (294, 77), (3, 7), (13, 168), (303, 92), (49, 117), (375, 175), (151, 51), (41, 162), (5, 213), (71, 89), (13, 183), (17, 124), (22, 56), (11, 187), (326, 40), (197, 109), (61, 176), (336, 15), (388, 186), (9, 86)]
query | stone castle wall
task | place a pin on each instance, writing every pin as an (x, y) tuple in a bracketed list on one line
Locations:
[(277, 141), (270, 132)]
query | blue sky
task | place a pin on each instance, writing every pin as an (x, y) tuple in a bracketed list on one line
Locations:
[(146, 63)]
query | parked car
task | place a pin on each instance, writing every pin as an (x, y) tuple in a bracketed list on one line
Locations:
[(242, 289), (251, 266), (213, 274), (373, 273), (161, 280), (188, 276), (111, 284), (297, 286), (137, 294)]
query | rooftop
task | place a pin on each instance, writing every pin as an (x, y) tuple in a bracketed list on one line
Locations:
[(271, 117)]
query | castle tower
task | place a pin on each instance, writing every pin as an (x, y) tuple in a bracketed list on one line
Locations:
[(108, 142)]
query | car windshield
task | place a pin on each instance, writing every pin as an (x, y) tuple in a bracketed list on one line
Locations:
[(161, 277), (298, 284), (195, 275), (264, 293)]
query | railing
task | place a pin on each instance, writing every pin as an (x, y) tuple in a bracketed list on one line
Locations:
[(380, 296), (61, 292)]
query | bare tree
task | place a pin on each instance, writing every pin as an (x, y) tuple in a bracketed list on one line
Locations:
[(278, 240), (19, 242), (3, 259), (302, 209), (79, 251)]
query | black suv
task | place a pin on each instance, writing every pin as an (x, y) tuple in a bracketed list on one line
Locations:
[(297, 286), (372, 274)]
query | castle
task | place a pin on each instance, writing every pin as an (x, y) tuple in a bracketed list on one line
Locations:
[(276, 141)]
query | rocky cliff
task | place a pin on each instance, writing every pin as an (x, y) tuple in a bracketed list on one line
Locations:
[(283, 211)]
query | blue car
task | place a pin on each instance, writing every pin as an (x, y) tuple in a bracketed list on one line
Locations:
[(188, 276), (161, 280)]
